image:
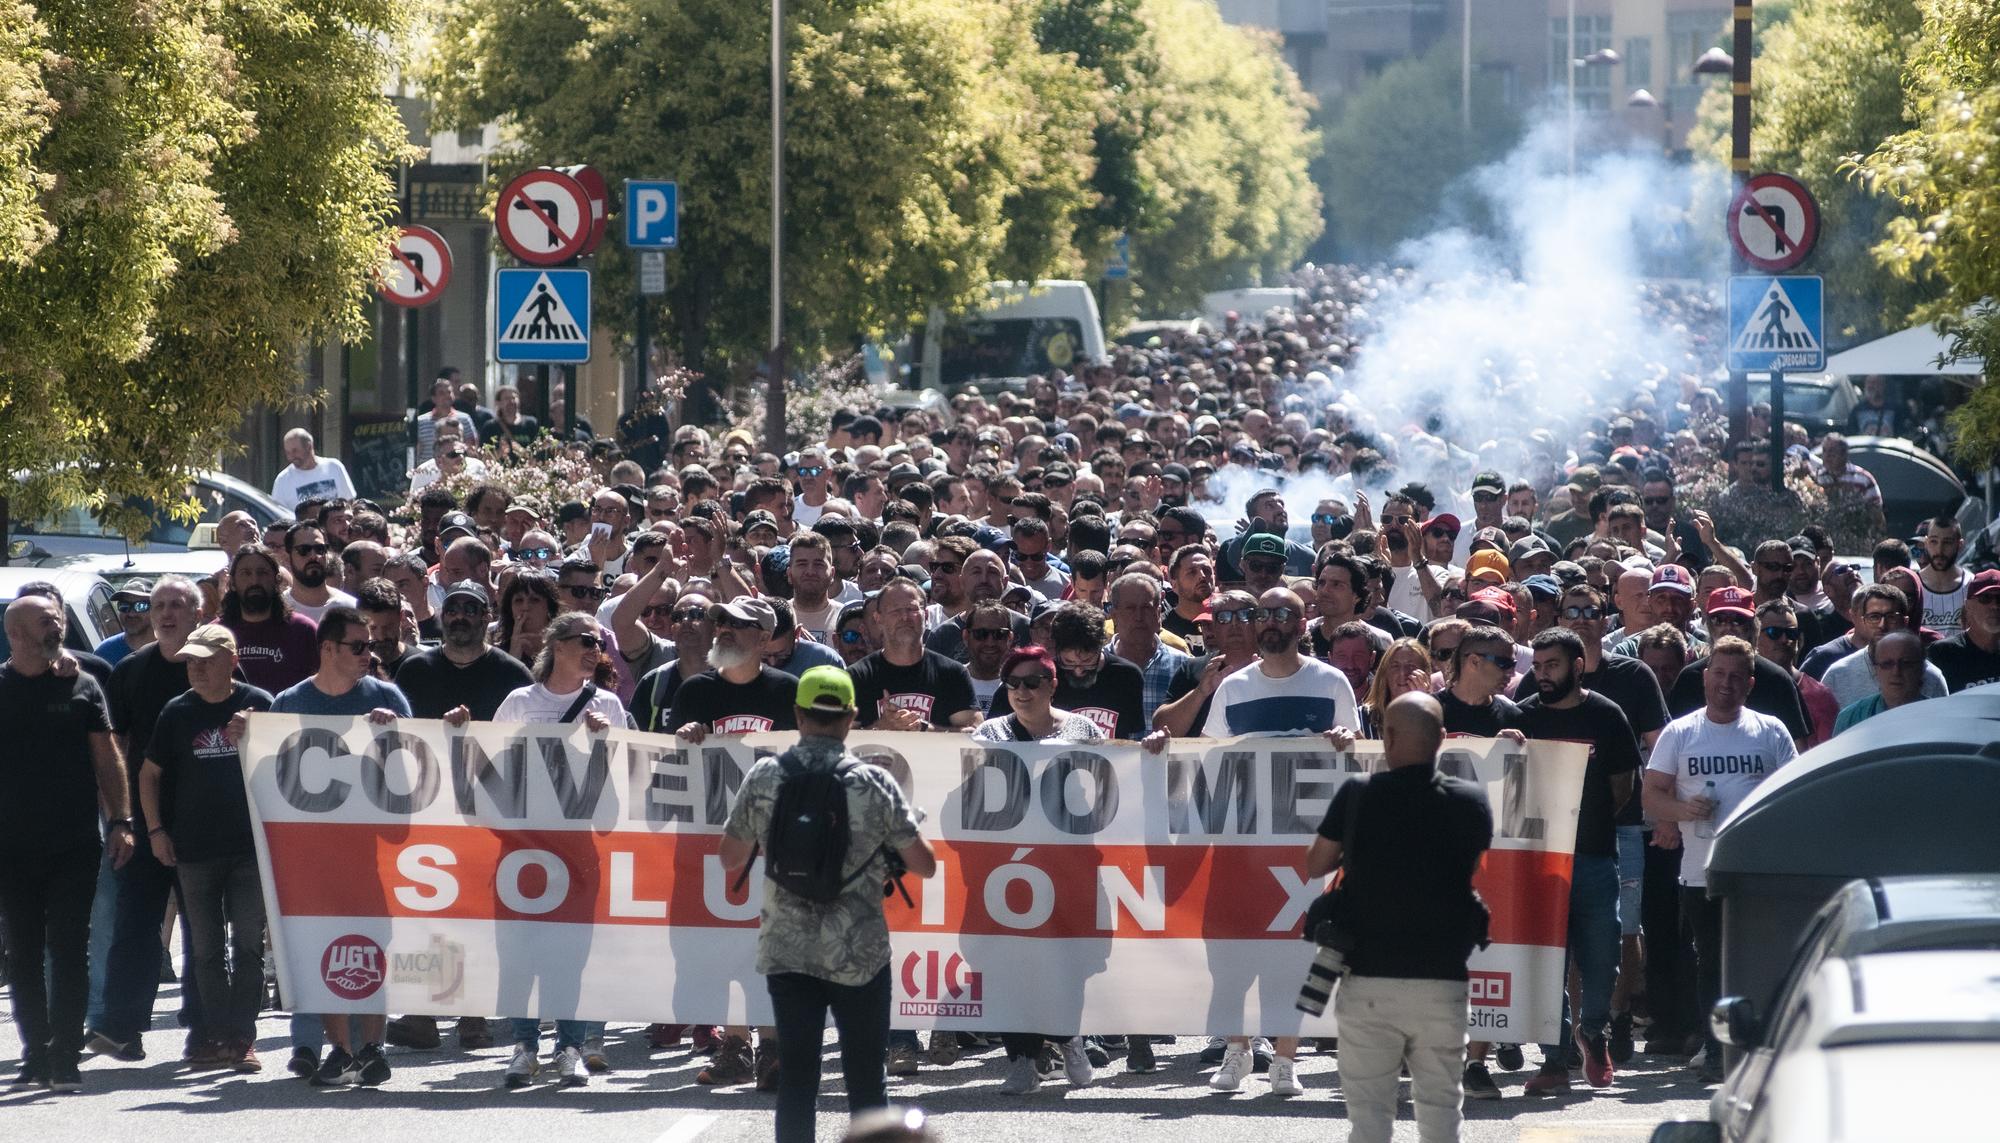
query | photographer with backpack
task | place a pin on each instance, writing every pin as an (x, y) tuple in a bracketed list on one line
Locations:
[(829, 826)]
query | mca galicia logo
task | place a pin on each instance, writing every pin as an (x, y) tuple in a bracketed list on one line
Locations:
[(352, 967), (938, 986)]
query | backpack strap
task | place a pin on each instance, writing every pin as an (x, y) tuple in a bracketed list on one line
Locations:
[(583, 698)]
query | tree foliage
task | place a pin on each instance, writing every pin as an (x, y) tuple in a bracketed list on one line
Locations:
[(932, 146), (1829, 86), (208, 186), (1398, 144), (1944, 172)]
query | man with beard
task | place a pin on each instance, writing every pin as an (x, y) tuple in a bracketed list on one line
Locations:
[(1100, 686), (305, 555), (275, 649), (1191, 570), (949, 598), (985, 577), (1267, 505), (1730, 612), (813, 581), (1562, 710), (1944, 581), (694, 633), (1340, 591), (62, 764), (1778, 639), (989, 633), (905, 686), (738, 694), (141, 687)]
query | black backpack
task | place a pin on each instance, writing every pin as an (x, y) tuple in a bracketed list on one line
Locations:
[(806, 849)]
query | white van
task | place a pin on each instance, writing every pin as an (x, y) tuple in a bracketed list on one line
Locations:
[(1024, 328)]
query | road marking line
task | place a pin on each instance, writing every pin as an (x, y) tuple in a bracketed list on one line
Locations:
[(686, 1128)]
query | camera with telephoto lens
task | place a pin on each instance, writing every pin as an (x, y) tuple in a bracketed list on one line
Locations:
[(1335, 941)]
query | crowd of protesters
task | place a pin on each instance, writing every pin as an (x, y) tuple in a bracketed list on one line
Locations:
[(1145, 547)]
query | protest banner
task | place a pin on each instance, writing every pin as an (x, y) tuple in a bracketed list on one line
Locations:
[(509, 870)]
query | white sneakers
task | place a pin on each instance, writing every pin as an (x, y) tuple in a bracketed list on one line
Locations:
[(1076, 1063), (1023, 1077), (1237, 1063), (522, 1069), (570, 1070)]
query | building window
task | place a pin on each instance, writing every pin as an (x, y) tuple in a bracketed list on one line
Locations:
[(472, 139), (1688, 35), (1639, 62), (1593, 84)]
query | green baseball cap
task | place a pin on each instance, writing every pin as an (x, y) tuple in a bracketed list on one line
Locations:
[(826, 688)]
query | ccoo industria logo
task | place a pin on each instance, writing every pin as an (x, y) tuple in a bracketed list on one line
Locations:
[(932, 984)]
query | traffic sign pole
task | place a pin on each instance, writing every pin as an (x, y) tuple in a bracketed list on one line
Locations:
[(1777, 430)]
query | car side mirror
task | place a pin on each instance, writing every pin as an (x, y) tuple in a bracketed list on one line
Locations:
[(1735, 1022), (1688, 1131)]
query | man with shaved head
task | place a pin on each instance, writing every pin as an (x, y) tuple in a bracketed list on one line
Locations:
[(61, 760), (1409, 840)]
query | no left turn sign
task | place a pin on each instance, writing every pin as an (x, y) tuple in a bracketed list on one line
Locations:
[(419, 268), (1773, 222), (543, 217)]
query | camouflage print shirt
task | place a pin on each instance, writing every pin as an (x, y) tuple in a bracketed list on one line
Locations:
[(845, 940)]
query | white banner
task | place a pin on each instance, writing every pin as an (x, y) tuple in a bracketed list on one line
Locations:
[(509, 870)]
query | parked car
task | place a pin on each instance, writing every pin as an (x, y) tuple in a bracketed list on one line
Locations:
[(78, 531), (117, 570), (90, 618), (1819, 402), (1915, 484), (1854, 1007)]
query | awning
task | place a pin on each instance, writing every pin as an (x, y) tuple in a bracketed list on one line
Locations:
[(1914, 351)]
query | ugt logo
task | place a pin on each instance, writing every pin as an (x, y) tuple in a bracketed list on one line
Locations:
[(935, 986), (352, 967), (1491, 989)]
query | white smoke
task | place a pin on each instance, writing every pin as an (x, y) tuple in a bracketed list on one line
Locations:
[(1565, 309)]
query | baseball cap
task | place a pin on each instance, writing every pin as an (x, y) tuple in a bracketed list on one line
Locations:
[(525, 506), (761, 518), (570, 510), (1265, 544), (1444, 520), (747, 610), (208, 640), (1488, 605), (1543, 586), (1489, 481), (1672, 577), (826, 688), (1988, 580), (456, 521), (140, 588), (470, 589), (1731, 601), (1488, 565), (1526, 546), (902, 474)]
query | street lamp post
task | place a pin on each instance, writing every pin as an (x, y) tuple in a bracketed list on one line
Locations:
[(774, 407), (1736, 65)]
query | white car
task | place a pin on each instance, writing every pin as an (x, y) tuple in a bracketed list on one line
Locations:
[(77, 531), (1885, 1046), (89, 614)]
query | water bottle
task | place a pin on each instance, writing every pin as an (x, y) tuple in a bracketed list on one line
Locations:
[(1705, 828)]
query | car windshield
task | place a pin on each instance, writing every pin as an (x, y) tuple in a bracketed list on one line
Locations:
[(166, 529), (1010, 347), (1801, 398)]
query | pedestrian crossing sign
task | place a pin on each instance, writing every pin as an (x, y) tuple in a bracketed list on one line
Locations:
[(542, 316), (1776, 324)]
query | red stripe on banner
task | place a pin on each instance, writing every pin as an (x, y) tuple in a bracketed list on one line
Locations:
[(1189, 891)]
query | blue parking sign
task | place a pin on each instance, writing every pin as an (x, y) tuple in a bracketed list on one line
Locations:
[(652, 214), (1776, 324), (544, 316)]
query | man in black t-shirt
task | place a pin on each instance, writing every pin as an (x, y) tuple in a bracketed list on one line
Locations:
[(1092, 682), (191, 786), (1416, 842), (903, 686), (142, 685), (461, 678), (61, 759), (738, 694), (1972, 656), (1562, 710)]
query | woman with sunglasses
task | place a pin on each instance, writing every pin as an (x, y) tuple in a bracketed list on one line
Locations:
[(1029, 676), (574, 682)]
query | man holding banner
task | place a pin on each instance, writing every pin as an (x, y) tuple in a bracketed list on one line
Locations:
[(834, 955)]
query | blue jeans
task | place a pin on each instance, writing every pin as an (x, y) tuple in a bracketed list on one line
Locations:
[(569, 1033), (132, 967), (1593, 944), (308, 1032), (103, 919), (1631, 876)]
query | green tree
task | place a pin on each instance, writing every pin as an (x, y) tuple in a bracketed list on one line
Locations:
[(1227, 151), (1829, 86), (929, 148), (1398, 144), (1944, 172), (215, 183)]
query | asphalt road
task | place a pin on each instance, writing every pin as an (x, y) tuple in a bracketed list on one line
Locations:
[(446, 1096)]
